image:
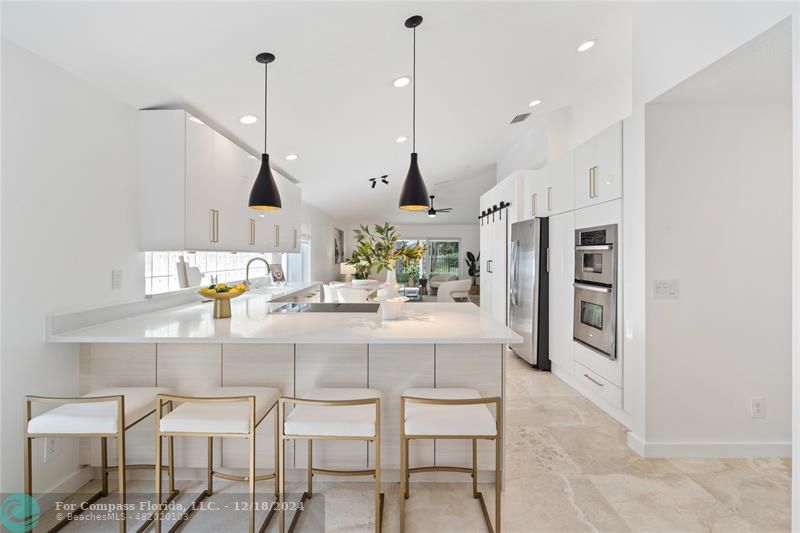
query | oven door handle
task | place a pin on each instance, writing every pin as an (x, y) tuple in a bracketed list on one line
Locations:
[(594, 247), (595, 288)]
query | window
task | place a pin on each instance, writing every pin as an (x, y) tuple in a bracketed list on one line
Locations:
[(442, 256), (161, 272)]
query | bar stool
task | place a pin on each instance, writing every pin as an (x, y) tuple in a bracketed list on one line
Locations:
[(225, 412), (331, 414), (104, 413), (450, 413)]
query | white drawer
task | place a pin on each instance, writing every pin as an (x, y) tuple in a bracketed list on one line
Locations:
[(610, 370), (598, 385)]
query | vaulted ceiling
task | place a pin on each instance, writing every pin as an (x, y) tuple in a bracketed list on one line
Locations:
[(332, 101)]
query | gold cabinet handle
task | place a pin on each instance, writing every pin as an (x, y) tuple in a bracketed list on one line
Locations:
[(277, 236), (211, 218), (533, 204), (214, 218), (295, 240), (549, 198), (252, 240), (590, 378)]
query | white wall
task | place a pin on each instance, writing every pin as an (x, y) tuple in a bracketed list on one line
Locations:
[(319, 225), (719, 213), (68, 219), (468, 234), (670, 42)]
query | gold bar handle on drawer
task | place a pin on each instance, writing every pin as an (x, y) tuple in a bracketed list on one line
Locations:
[(590, 378), (277, 235)]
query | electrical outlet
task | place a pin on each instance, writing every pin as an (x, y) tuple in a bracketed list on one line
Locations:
[(667, 289), (50, 448), (116, 279), (758, 407)]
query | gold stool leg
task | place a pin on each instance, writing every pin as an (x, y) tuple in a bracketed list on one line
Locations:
[(281, 481), (498, 481), (121, 478), (378, 495), (251, 481), (474, 468), (171, 463), (310, 466), (210, 469), (104, 464)]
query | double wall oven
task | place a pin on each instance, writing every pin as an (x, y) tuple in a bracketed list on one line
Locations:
[(595, 320)]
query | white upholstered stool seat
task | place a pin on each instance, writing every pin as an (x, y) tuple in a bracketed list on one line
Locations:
[(224, 417), (428, 419), (333, 420), (97, 417)]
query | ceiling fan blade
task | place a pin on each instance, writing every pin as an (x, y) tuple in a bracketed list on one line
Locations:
[(444, 210)]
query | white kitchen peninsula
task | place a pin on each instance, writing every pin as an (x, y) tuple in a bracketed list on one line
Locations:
[(184, 347)]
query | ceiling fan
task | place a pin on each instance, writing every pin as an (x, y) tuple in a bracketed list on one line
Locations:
[(432, 210)]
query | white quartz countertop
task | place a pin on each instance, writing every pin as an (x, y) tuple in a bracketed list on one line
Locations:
[(254, 321)]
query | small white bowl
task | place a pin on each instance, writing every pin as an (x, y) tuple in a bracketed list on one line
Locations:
[(392, 308)]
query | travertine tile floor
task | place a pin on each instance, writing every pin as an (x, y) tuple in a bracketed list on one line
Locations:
[(568, 470)]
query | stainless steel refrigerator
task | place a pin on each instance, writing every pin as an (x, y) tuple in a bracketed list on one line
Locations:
[(528, 290)]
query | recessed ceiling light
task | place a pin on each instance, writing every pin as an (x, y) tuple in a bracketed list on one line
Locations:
[(196, 120), (586, 46), (534, 103), (291, 157), (401, 139), (402, 81), (248, 119)]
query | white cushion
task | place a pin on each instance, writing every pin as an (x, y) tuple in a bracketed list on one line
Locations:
[(333, 420), (427, 419), (97, 417), (226, 417)]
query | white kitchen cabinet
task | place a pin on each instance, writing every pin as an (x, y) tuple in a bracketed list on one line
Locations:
[(561, 275), (560, 192), (598, 168), (194, 185), (535, 186)]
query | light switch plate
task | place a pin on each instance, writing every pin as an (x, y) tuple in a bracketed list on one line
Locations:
[(664, 289)]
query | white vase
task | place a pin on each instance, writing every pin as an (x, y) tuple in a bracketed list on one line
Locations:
[(391, 279)]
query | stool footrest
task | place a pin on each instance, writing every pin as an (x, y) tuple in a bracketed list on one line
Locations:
[(237, 477), (329, 472), (459, 469)]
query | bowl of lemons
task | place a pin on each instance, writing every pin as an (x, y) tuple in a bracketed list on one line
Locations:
[(222, 294)]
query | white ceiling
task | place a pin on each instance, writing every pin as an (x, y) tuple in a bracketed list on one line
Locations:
[(331, 96), (758, 72)]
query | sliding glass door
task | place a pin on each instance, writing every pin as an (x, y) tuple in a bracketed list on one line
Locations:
[(442, 256)]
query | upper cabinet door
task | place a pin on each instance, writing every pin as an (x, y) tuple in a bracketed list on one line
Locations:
[(582, 174), (560, 191), (608, 162), (598, 168), (202, 217)]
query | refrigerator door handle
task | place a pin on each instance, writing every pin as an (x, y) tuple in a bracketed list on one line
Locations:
[(514, 273)]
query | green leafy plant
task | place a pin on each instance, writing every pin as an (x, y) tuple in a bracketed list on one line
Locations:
[(474, 266), (378, 249)]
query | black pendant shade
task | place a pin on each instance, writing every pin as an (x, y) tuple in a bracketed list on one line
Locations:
[(414, 195), (265, 194)]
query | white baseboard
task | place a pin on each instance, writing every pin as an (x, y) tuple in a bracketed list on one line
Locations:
[(68, 485), (718, 450)]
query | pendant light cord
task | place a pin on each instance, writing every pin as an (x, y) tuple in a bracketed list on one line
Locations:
[(414, 95), (266, 69)]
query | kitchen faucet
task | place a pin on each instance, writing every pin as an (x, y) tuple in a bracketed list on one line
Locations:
[(247, 269)]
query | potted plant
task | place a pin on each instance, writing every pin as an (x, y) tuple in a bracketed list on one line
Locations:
[(412, 269), (378, 249), (474, 270)]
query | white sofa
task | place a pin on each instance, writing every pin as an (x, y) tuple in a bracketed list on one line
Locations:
[(437, 280), (450, 290)]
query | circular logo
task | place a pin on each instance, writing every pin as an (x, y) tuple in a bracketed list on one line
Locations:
[(19, 513)]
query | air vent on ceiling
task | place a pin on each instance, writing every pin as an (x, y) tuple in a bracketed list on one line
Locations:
[(519, 118)]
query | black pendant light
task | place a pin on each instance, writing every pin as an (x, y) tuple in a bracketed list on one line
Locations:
[(265, 194), (414, 195)]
